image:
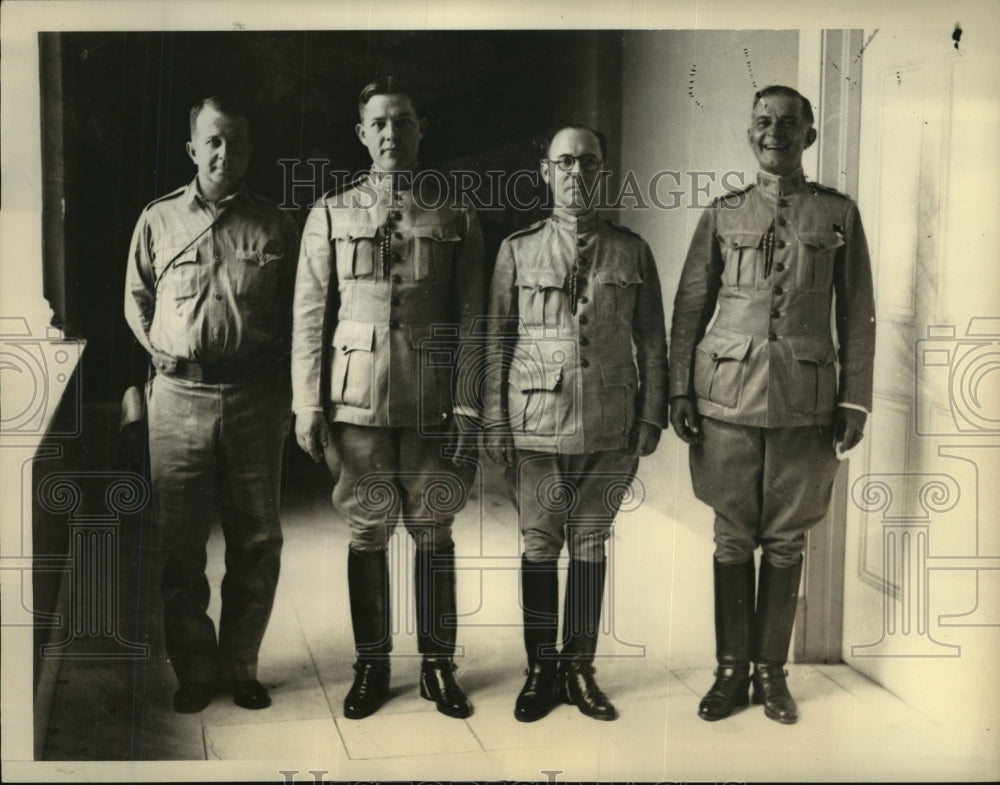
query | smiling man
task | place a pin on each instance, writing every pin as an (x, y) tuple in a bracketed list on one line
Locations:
[(755, 390), (569, 412), (208, 294), (391, 280)]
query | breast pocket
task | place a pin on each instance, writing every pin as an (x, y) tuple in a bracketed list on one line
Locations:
[(434, 249), (356, 247), (615, 292), (541, 297), (255, 274), (353, 372), (182, 279), (817, 252), (720, 367), (741, 252)]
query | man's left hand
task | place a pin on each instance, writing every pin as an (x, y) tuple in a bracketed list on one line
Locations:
[(645, 437), (848, 428)]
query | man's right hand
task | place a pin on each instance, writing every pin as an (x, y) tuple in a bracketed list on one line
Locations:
[(685, 419), (496, 442), (312, 434)]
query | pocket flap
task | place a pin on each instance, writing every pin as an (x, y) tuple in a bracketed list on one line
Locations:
[(351, 336), (537, 278), (440, 234), (352, 231), (823, 241), (620, 276), (741, 239), (539, 378), (810, 349), (724, 345)]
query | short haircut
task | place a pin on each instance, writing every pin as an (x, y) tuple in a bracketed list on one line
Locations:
[(224, 105), (602, 140), (389, 85), (788, 92)]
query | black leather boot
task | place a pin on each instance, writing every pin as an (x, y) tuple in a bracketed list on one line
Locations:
[(434, 579), (777, 598), (581, 624), (368, 586), (734, 608), (540, 603)]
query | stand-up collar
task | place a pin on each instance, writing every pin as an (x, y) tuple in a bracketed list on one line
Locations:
[(773, 185), (587, 222)]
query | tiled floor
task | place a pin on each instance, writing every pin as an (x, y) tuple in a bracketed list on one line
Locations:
[(655, 664)]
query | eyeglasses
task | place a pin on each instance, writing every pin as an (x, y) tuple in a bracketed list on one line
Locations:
[(588, 161)]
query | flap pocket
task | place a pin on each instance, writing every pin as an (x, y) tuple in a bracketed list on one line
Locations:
[(822, 241), (440, 234), (181, 278), (808, 349), (620, 276), (725, 345), (735, 240), (351, 336), (536, 278)]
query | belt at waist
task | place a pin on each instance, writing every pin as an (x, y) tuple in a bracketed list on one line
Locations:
[(219, 372)]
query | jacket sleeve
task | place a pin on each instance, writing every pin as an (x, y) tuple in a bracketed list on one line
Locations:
[(470, 287), (315, 275), (855, 309), (140, 287), (694, 304), (649, 337), (501, 335)]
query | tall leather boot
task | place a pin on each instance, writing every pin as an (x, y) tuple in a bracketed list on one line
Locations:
[(434, 578), (581, 624), (368, 586), (540, 603), (777, 597), (734, 609)]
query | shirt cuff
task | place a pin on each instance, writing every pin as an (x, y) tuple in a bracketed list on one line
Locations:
[(304, 409), (465, 411), (853, 406)]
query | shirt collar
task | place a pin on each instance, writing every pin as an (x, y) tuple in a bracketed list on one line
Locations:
[(193, 193), (394, 181), (585, 222), (773, 185)]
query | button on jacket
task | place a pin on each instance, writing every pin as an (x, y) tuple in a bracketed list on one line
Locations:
[(571, 298), (776, 258), (406, 268), (222, 296)]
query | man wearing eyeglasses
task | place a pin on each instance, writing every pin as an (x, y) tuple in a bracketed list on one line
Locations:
[(568, 411)]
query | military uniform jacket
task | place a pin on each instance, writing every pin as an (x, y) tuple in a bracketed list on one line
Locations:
[(769, 357), (577, 345), (404, 273)]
